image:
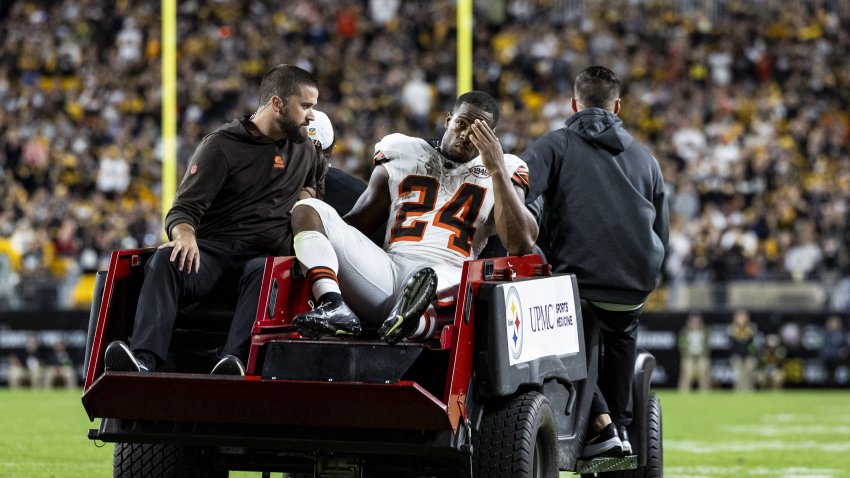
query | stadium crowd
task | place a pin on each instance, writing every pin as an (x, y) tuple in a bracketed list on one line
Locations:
[(744, 104)]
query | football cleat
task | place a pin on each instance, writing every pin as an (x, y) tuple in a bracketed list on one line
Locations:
[(330, 318), (419, 291), (228, 365)]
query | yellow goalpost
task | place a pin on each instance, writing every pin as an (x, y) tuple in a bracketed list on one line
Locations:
[(169, 86)]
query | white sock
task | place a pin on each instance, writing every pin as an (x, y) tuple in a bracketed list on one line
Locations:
[(316, 255)]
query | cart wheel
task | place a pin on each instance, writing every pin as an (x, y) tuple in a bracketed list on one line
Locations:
[(145, 460), (654, 449), (517, 439)]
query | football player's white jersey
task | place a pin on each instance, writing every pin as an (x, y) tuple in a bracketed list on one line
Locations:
[(440, 209)]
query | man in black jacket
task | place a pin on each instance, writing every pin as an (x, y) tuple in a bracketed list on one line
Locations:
[(231, 211), (606, 221)]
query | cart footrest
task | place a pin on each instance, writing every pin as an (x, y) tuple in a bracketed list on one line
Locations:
[(599, 465), (334, 361)]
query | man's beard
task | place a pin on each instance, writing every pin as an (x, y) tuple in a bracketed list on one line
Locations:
[(293, 131)]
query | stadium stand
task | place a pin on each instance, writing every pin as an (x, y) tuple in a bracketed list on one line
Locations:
[(744, 103)]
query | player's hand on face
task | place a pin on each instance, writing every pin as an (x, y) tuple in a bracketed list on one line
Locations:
[(487, 143), (185, 253)]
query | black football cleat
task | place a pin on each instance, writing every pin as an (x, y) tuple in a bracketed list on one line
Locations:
[(419, 291), (119, 358), (332, 318), (228, 365)]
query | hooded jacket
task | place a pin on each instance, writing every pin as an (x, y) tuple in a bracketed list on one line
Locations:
[(241, 186), (605, 214)]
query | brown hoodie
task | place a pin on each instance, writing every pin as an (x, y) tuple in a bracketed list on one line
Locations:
[(240, 186)]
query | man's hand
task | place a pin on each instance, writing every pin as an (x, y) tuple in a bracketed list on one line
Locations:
[(487, 143), (185, 248)]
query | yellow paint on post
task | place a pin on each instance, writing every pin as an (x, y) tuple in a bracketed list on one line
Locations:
[(169, 104), (464, 46)]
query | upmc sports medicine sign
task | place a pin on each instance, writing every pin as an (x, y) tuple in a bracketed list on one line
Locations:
[(540, 317)]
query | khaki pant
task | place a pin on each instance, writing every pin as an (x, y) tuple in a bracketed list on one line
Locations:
[(60, 376), (743, 369), (20, 377), (694, 368)]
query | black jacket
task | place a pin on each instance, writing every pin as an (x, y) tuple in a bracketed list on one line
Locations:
[(605, 217), (241, 186)]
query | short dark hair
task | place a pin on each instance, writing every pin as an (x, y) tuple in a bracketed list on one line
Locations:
[(481, 100), (597, 87), (283, 81)]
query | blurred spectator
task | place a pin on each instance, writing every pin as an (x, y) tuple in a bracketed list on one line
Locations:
[(694, 363), (417, 98), (129, 43), (59, 368), (771, 356), (383, 11), (836, 346), (805, 255), (26, 367), (742, 352), (113, 175)]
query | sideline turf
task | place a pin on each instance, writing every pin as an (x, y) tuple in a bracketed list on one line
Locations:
[(43, 434), (717, 435), (789, 434)]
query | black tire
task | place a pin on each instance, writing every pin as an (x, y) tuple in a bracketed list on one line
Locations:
[(654, 445), (517, 439), (654, 467), (144, 460)]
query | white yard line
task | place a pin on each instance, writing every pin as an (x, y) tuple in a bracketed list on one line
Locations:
[(723, 471), (689, 446), (786, 429)]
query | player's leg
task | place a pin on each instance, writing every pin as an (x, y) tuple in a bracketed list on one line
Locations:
[(311, 220)]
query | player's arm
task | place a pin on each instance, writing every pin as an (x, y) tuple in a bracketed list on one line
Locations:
[(514, 223), (373, 206)]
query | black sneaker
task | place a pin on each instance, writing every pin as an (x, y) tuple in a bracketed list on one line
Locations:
[(329, 318), (228, 365), (119, 358), (418, 293), (603, 443), (624, 439)]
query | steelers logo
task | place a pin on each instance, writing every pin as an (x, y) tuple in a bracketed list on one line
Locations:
[(514, 322)]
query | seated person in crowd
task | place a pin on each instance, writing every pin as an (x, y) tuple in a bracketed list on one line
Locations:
[(60, 370), (26, 367)]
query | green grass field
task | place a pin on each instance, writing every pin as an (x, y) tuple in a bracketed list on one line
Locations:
[(767, 435)]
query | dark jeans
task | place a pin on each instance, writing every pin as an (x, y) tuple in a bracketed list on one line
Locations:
[(616, 372), (165, 288)]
